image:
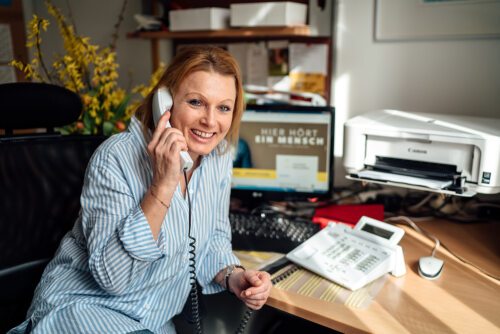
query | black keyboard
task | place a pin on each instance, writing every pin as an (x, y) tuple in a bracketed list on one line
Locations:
[(269, 232)]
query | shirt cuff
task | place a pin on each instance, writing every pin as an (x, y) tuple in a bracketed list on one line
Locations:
[(213, 264)]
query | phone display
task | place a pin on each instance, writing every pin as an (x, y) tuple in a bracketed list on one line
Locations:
[(162, 101)]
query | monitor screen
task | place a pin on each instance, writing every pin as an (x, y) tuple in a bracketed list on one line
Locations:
[(284, 153)]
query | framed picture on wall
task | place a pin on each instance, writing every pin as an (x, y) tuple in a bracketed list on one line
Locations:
[(436, 19)]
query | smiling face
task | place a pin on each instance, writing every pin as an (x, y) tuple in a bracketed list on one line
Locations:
[(203, 110)]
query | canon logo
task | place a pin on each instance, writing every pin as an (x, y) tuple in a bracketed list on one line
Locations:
[(416, 150)]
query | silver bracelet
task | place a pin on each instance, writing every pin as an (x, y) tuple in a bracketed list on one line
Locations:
[(229, 271)]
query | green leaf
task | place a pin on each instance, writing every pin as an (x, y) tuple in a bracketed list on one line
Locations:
[(120, 110), (107, 128), (64, 130), (88, 122)]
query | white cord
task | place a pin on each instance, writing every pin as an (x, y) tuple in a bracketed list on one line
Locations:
[(421, 203), (437, 242), (418, 229)]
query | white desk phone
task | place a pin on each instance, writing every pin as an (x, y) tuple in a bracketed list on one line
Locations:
[(353, 257), (162, 101)]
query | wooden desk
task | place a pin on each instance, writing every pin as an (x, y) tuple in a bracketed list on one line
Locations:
[(462, 300)]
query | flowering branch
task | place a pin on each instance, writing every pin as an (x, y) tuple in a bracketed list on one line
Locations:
[(87, 69), (39, 51), (112, 46)]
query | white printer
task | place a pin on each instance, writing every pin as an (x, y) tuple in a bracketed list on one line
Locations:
[(455, 155)]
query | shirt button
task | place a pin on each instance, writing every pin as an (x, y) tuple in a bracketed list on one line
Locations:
[(147, 306)]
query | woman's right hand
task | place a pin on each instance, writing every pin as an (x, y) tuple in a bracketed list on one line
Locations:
[(164, 149)]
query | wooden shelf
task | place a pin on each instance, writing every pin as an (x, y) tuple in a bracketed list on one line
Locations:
[(240, 33), (295, 34)]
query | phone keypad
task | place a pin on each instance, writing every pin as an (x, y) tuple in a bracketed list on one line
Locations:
[(345, 257), (349, 255)]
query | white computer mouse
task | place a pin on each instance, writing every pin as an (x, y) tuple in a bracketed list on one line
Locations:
[(430, 267)]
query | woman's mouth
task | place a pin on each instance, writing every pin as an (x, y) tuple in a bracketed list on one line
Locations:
[(202, 134)]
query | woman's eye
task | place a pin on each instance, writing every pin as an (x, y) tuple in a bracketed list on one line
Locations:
[(195, 102), (225, 108)]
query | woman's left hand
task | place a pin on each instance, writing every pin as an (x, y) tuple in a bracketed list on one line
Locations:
[(251, 286)]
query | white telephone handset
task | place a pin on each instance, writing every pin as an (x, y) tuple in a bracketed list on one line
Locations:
[(162, 101)]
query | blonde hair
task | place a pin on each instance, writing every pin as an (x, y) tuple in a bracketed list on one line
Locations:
[(191, 59)]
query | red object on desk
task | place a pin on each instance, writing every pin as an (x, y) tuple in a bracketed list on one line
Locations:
[(348, 214)]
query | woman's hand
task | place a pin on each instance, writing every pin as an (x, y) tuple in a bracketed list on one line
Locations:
[(251, 286), (164, 149)]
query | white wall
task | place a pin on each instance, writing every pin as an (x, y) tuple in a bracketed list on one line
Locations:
[(449, 76)]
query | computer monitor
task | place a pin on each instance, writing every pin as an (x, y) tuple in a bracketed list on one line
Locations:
[(284, 153)]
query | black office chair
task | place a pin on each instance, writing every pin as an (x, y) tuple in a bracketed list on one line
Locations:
[(41, 176)]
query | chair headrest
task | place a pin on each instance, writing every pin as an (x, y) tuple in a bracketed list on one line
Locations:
[(27, 105)]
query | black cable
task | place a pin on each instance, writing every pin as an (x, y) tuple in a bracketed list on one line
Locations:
[(195, 309), (244, 321), (249, 312), (442, 205)]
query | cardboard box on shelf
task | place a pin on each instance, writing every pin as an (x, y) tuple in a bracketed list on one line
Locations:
[(268, 14), (209, 18)]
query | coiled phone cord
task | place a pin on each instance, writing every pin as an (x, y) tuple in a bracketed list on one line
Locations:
[(244, 321), (249, 312), (195, 309), (193, 294)]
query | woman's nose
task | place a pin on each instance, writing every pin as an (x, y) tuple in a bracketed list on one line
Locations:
[(209, 117)]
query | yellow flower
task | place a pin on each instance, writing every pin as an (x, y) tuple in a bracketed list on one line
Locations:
[(87, 69), (86, 99)]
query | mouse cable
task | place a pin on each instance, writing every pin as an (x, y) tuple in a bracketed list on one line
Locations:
[(460, 258), (419, 230), (493, 276), (195, 308)]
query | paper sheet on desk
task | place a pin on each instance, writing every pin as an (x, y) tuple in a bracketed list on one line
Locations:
[(306, 283), (257, 260), (429, 183)]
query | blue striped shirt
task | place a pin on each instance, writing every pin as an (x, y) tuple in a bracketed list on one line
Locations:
[(109, 275)]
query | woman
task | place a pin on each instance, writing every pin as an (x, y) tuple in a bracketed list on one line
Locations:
[(125, 265)]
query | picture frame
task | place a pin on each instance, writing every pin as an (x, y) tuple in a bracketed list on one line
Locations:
[(436, 19)]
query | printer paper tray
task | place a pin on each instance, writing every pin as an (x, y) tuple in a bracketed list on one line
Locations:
[(382, 176), (407, 182)]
